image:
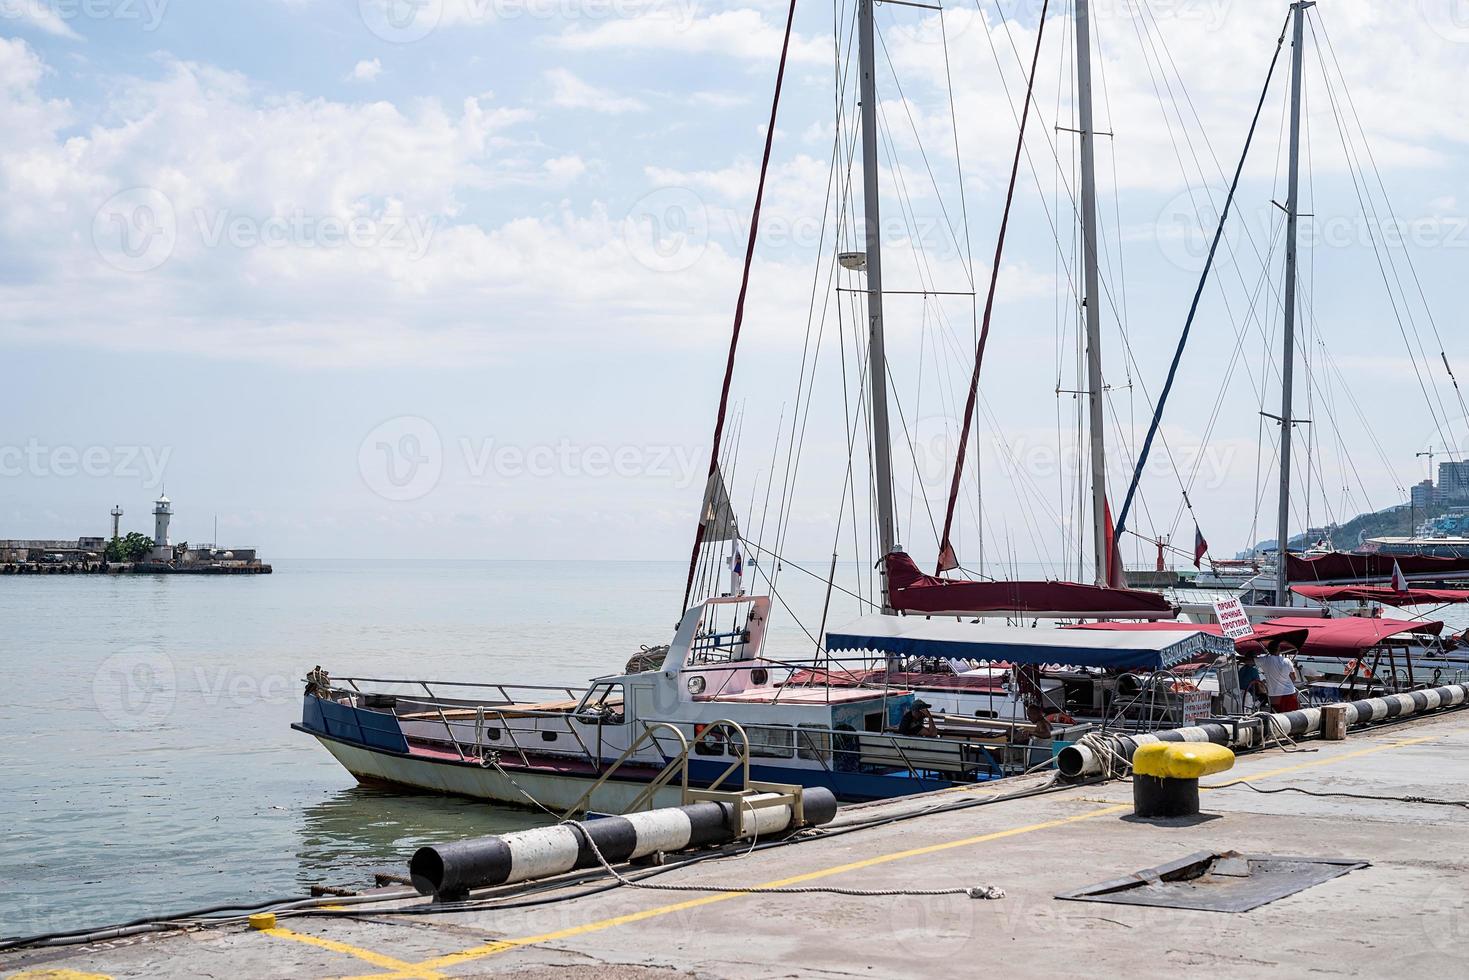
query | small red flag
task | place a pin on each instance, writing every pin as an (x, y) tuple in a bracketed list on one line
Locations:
[(1201, 547)]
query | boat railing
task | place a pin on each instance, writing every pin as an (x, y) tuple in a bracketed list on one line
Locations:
[(489, 724), (533, 692)]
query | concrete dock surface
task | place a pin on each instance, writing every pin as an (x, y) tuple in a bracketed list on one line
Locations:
[(1407, 914)]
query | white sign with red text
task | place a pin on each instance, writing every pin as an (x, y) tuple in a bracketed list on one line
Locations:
[(1232, 618)]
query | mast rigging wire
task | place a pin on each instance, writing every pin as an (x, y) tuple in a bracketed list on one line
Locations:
[(1198, 294), (946, 550), (739, 318)]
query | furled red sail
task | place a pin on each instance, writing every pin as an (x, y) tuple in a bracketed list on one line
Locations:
[(911, 591), (1340, 565), (1383, 594)]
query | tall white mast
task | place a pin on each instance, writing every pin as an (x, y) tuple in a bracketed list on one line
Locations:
[(882, 440), (1092, 301), (1288, 359)]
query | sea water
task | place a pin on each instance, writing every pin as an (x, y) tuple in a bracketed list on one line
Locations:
[(147, 762)]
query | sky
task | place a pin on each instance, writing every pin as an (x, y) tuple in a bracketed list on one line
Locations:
[(456, 278)]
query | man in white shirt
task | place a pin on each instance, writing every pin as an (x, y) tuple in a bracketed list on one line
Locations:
[(1280, 681)]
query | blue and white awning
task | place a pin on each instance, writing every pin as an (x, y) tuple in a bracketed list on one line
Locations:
[(913, 637)]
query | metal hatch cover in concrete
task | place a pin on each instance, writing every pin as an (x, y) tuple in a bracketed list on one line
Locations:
[(1217, 882)]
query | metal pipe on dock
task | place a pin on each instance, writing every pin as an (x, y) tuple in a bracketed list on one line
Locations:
[(455, 868), (1081, 759)]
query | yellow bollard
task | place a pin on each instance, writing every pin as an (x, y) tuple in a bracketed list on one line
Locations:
[(1165, 776)]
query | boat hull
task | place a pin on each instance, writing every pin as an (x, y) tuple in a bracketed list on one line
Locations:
[(513, 785), (453, 778)]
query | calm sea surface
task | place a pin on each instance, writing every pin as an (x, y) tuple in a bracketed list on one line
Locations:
[(147, 764)]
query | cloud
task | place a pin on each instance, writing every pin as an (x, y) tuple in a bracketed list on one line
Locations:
[(366, 71), (570, 92), (211, 217), (39, 15), (742, 33)]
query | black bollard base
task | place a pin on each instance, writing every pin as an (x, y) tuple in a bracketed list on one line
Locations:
[(1155, 796)]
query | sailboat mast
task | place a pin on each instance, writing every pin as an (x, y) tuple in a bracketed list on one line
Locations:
[(1092, 301), (882, 440), (1288, 357)]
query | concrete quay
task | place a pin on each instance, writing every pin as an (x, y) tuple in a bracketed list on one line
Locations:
[(1405, 914)]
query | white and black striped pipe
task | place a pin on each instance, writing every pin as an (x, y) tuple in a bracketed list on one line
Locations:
[(529, 855), (1076, 761)]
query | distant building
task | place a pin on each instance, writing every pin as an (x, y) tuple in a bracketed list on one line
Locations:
[(1453, 482), (1425, 496), (52, 551)]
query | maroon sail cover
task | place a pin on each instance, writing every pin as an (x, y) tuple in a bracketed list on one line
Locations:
[(911, 591), (1381, 593), (1351, 636), (1340, 565)]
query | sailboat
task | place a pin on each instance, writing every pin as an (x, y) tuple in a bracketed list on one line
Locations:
[(718, 703), (1300, 602)]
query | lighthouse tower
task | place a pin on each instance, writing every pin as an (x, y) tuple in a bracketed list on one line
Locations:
[(162, 512)]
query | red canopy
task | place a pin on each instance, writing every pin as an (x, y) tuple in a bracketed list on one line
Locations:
[(1377, 593), (909, 590), (1351, 635), (1266, 636), (1348, 565)]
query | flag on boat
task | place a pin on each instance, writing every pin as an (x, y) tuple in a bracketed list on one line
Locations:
[(718, 518), (1201, 547), (736, 564), (1399, 580)]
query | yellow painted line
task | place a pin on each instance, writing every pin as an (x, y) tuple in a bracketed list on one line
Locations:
[(400, 968), (493, 948), (57, 974), (500, 946), (1329, 760)]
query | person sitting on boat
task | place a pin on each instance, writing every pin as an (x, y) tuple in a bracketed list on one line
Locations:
[(918, 721), (1251, 683), (1280, 681)]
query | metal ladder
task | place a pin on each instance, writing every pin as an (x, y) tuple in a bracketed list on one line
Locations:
[(751, 795)]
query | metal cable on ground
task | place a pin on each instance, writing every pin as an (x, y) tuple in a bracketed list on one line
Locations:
[(989, 892), (1346, 796)]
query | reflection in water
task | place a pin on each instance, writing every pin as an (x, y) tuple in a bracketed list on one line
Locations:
[(356, 832)]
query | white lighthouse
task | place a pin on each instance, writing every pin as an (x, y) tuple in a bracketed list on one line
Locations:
[(162, 512)]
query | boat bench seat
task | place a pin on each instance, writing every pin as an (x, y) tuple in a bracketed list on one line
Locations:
[(923, 754)]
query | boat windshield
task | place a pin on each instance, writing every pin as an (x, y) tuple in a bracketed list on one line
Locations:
[(601, 698)]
